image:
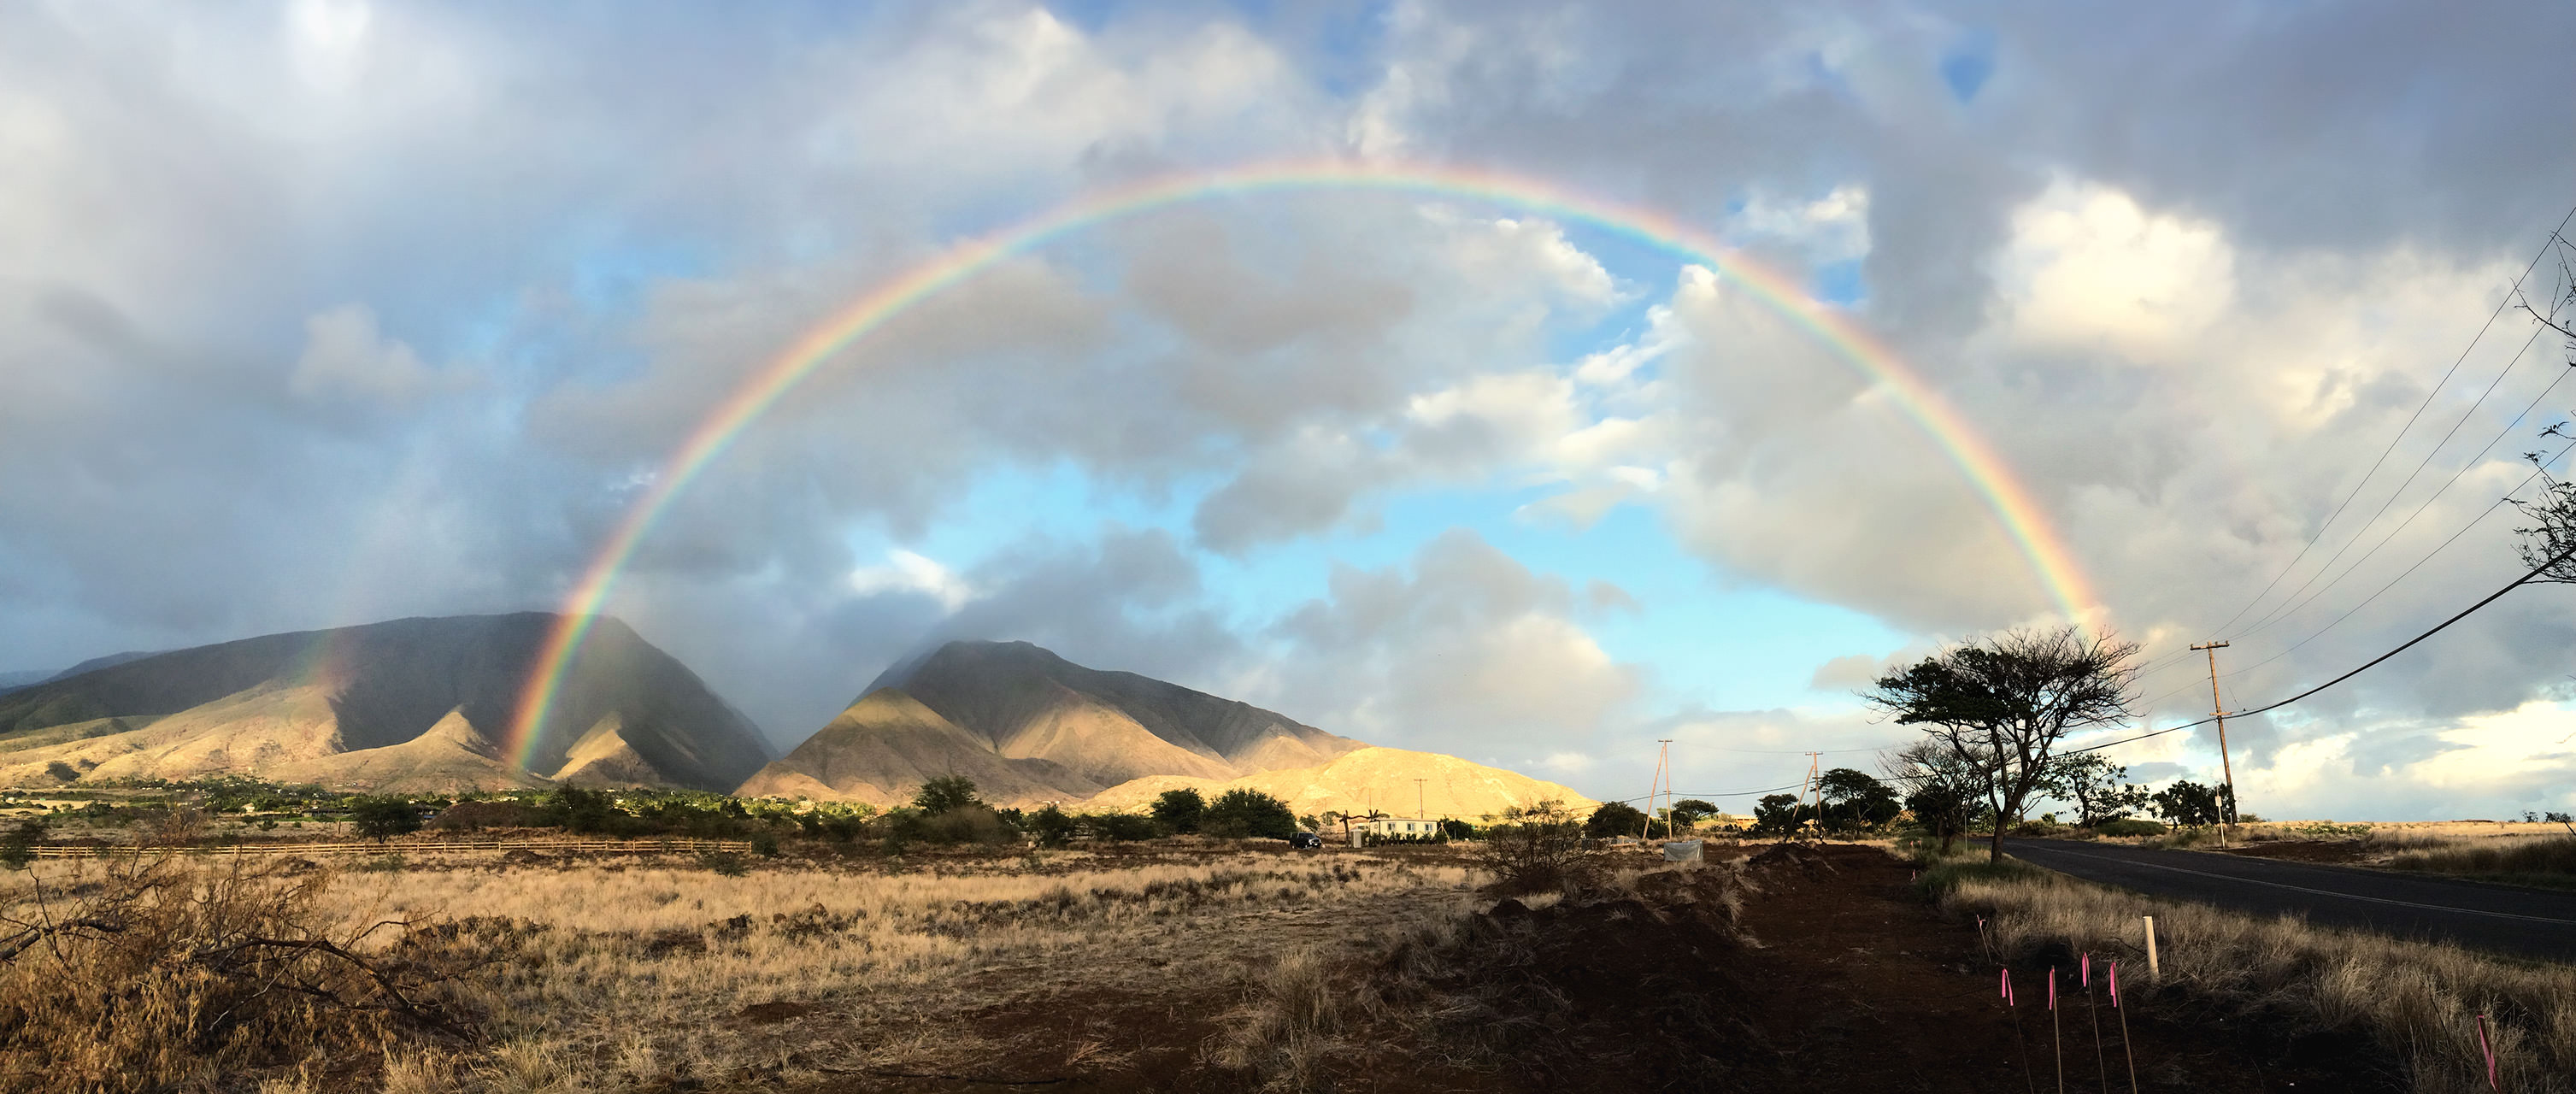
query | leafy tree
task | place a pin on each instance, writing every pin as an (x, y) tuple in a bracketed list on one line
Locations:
[(380, 819), (1690, 811), (1242, 813), (2006, 700), (2099, 788), (945, 793), (1775, 814), (1942, 787), (1854, 799), (1182, 810), (1615, 819), (2190, 804), (1051, 826), (580, 810), (1533, 849), (1453, 828)]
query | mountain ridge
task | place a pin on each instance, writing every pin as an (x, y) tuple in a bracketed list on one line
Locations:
[(324, 706)]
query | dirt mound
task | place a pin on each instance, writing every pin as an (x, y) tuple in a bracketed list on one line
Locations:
[(1804, 860), (1623, 984)]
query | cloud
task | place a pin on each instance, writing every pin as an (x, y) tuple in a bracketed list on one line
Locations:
[(346, 357), (316, 315), (1469, 652)]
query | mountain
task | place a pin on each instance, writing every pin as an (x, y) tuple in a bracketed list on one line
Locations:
[(1030, 727), (21, 681), (421, 705), (1390, 780)]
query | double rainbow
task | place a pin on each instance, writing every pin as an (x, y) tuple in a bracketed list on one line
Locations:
[(2015, 510)]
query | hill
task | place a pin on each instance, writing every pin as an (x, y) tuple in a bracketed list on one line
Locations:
[(419, 705), (1383, 779), (1031, 727)]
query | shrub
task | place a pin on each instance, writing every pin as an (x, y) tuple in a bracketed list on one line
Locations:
[(1532, 849), (1051, 826), (1240, 814), (1180, 810), (945, 794), (2129, 826), (1123, 827), (379, 819), (1615, 819), (161, 975)]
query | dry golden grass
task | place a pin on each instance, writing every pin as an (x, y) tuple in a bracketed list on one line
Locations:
[(2419, 1000), (159, 971), (615, 975)]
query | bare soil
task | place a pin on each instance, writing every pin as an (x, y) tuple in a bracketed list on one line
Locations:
[(1836, 974)]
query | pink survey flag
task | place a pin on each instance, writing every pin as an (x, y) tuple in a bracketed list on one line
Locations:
[(2084, 969), (2115, 983), (2003, 983), (2052, 987)]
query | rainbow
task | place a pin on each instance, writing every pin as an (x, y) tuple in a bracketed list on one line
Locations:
[(2015, 510)]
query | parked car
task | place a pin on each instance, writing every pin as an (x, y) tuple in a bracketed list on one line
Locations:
[(1305, 841)]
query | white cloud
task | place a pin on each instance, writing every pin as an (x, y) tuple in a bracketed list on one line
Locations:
[(2087, 268), (909, 572)]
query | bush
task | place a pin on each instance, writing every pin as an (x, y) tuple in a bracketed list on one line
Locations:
[(380, 819), (945, 794), (1615, 819), (1123, 827), (1051, 826), (2129, 826), (1533, 849), (1242, 814), (1180, 810), (165, 976)]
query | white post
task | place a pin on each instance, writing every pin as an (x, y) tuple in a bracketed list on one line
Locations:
[(2153, 972)]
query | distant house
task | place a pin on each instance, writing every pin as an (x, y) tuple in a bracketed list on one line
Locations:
[(1398, 827)]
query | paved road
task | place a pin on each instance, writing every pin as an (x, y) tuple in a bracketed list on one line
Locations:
[(2529, 922)]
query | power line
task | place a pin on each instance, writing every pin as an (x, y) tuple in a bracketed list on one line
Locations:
[(2366, 666), (2292, 603), (2401, 576), (2511, 294)]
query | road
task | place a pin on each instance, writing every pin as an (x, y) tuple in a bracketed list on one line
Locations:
[(2526, 922)]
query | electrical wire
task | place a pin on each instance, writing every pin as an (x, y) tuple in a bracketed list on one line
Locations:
[(2366, 666), (2511, 295), (2291, 604)]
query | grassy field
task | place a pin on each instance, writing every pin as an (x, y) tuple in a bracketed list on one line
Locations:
[(2421, 1002), (600, 975)]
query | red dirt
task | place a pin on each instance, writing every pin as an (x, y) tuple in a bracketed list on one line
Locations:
[(1836, 976)]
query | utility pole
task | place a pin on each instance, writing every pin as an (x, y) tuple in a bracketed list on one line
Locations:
[(1417, 799), (1803, 786), (1663, 783), (2218, 710)]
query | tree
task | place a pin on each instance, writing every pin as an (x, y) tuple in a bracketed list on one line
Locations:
[(1238, 814), (2190, 804), (1942, 787), (1051, 826), (2549, 542), (2099, 788), (1615, 819), (1533, 849), (380, 819), (1855, 800), (1775, 813), (2006, 700), (1181, 810), (944, 793), (1688, 812)]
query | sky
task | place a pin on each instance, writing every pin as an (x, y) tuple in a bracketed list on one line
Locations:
[(326, 312)]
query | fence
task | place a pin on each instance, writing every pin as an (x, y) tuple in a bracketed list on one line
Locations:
[(657, 846)]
